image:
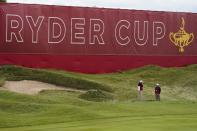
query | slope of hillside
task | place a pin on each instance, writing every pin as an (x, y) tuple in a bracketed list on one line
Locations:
[(177, 83), (62, 110)]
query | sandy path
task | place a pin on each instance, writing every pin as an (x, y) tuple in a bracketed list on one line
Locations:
[(33, 87)]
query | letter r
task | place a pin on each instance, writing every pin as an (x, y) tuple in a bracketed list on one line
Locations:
[(14, 26)]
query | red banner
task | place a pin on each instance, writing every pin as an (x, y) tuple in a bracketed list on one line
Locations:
[(75, 31), (41, 29)]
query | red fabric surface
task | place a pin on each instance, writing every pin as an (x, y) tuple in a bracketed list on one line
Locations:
[(94, 40), (94, 64)]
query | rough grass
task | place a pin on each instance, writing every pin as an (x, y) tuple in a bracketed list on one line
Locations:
[(96, 95), (60, 110), (2, 81), (176, 83), (16, 73)]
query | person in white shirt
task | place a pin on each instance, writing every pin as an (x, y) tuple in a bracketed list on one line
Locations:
[(140, 89)]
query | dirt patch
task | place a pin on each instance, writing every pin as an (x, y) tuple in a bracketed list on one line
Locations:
[(33, 87)]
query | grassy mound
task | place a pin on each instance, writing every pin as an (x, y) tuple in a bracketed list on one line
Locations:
[(176, 83), (96, 95), (119, 109), (16, 73)]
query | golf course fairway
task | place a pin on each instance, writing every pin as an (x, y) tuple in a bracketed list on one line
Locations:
[(109, 103)]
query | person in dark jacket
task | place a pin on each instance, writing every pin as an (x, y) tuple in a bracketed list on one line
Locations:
[(140, 89), (157, 92)]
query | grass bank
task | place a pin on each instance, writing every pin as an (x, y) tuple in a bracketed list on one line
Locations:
[(60, 110)]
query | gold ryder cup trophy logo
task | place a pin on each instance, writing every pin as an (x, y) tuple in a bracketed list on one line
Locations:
[(181, 38)]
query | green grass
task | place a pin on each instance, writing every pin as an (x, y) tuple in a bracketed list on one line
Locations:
[(18, 73), (69, 111), (59, 110), (2, 81)]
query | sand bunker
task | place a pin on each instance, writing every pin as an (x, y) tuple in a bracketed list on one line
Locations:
[(33, 87)]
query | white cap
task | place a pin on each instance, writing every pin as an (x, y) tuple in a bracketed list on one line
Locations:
[(157, 84), (141, 81)]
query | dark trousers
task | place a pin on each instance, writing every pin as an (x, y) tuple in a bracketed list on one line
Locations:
[(157, 97)]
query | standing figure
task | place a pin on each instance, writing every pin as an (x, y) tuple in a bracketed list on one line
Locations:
[(140, 89), (157, 92)]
